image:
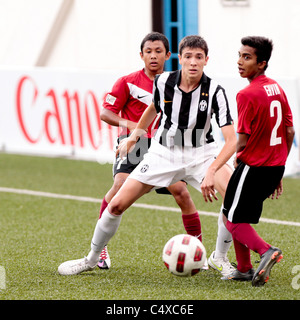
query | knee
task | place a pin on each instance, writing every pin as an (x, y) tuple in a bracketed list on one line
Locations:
[(181, 194), (116, 207), (222, 178), (118, 184)]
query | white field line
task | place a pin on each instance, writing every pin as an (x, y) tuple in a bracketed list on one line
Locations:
[(137, 205)]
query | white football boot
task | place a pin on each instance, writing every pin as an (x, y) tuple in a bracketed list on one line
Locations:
[(74, 267), (205, 266), (221, 264)]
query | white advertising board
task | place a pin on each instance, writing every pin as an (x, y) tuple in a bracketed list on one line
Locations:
[(55, 113), (52, 112)]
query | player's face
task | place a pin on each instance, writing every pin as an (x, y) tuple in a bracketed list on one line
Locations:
[(193, 61), (154, 56), (247, 63)]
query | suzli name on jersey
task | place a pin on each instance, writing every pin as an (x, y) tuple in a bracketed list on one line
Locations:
[(272, 89)]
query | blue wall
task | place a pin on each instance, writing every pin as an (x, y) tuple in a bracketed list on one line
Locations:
[(180, 19)]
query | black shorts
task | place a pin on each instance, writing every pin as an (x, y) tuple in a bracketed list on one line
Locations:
[(128, 164), (247, 190)]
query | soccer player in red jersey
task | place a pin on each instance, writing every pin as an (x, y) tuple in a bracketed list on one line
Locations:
[(123, 106), (265, 136)]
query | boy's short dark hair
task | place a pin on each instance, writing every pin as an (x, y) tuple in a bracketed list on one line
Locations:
[(193, 42), (263, 47), (156, 36)]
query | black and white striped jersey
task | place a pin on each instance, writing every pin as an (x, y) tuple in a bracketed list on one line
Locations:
[(186, 117)]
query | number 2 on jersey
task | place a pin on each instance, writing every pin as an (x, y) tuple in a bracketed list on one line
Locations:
[(274, 139)]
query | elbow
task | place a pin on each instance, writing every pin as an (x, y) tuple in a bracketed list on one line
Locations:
[(233, 143), (290, 132), (230, 138), (103, 117)]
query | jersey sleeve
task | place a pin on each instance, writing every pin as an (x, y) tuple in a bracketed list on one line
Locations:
[(220, 106), (156, 95), (246, 114), (116, 99)]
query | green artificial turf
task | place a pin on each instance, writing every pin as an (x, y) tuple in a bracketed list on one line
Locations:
[(39, 233)]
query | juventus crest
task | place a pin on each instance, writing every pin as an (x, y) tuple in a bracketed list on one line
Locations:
[(202, 105)]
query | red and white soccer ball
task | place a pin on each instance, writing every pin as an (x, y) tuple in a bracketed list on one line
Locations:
[(184, 255)]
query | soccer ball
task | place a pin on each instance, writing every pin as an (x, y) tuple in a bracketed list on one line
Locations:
[(184, 255)]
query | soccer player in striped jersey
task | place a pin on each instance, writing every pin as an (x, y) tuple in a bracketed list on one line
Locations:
[(265, 136), (123, 106), (183, 147)]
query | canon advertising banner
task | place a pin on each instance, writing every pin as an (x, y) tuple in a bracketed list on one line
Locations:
[(56, 113)]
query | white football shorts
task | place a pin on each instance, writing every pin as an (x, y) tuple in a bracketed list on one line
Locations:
[(163, 166)]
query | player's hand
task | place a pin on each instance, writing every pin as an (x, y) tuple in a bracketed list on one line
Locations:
[(277, 192), (125, 147), (208, 188)]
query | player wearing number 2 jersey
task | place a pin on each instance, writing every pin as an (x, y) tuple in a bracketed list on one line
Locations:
[(265, 129), (263, 99)]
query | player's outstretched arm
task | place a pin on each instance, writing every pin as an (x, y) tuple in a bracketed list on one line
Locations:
[(115, 120), (126, 145), (229, 148), (290, 133)]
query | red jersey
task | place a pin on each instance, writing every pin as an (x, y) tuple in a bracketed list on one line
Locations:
[(264, 114), (129, 97)]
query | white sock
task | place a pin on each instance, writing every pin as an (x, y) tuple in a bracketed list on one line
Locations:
[(105, 229), (224, 238)]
